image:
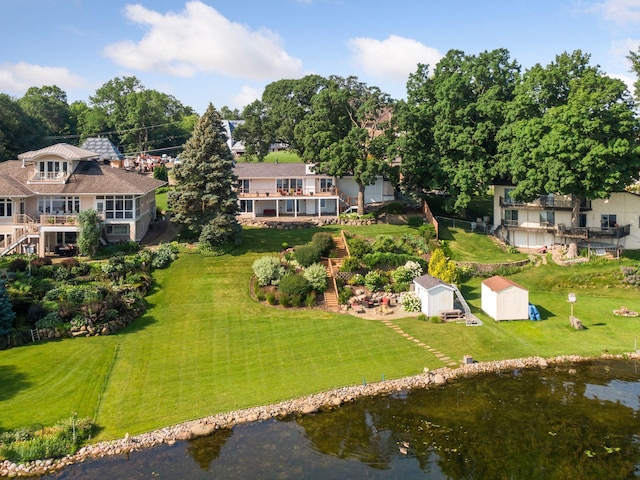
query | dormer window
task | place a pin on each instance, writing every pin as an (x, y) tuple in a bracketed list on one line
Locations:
[(53, 169)]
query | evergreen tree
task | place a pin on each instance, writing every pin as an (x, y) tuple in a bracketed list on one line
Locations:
[(204, 200), (7, 315)]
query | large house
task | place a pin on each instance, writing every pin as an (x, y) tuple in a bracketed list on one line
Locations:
[(605, 224), (43, 191), (294, 189)]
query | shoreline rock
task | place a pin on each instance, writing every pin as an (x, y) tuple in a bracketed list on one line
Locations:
[(323, 401)]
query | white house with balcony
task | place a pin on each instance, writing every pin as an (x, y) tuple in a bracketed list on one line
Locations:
[(606, 224), (295, 189), (43, 191)]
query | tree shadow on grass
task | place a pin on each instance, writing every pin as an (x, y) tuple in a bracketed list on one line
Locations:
[(12, 381), (138, 325)]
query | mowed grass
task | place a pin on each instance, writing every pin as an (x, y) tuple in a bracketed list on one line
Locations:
[(204, 346), (466, 246)]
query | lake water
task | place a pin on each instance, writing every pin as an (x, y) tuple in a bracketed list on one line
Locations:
[(578, 421)]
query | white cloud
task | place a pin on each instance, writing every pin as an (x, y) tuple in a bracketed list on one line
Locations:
[(17, 78), (621, 12), (394, 58), (246, 96), (199, 39)]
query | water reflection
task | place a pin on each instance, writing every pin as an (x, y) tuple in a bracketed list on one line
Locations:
[(524, 425)]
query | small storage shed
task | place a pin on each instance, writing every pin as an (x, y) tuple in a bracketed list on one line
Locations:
[(435, 295), (504, 299)]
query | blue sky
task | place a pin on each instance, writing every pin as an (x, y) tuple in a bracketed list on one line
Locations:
[(225, 52)]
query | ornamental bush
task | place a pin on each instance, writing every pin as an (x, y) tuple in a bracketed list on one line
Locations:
[(410, 302), (293, 284), (358, 247), (316, 275), (401, 274), (268, 270), (384, 243), (350, 264), (323, 241), (374, 280), (307, 255), (414, 269)]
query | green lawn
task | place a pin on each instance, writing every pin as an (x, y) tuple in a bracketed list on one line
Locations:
[(205, 346), (466, 246)]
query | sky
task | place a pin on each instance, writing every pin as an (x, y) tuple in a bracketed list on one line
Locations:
[(226, 52)]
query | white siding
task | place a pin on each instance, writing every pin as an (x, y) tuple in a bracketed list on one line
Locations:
[(511, 303)]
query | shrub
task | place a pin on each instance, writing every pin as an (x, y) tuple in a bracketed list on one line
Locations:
[(69, 263), (51, 320), (60, 273), (316, 275), (358, 247), (400, 287), (422, 317), (310, 300), (357, 279), (410, 302), (384, 243), (442, 268), (401, 274), (373, 280), (296, 301), (307, 255), (395, 207), (293, 284), (164, 256), (414, 269), (415, 221), (41, 261), (427, 231), (344, 294), (284, 299), (350, 264), (18, 265), (81, 270), (389, 260), (268, 270), (323, 242)]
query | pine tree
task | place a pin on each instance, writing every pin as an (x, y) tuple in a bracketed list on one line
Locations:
[(7, 315), (204, 200)]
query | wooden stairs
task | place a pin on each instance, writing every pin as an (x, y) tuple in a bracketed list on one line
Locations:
[(333, 265)]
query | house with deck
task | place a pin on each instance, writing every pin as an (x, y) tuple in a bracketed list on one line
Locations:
[(295, 189), (43, 191), (604, 224)]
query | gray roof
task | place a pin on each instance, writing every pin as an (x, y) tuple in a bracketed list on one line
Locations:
[(90, 178), (64, 150), (428, 282), (103, 147), (272, 170)]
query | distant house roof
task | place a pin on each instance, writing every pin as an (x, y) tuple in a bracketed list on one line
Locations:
[(103, 147), (272, 170), (498, 283), (428, 282), (64, 150)]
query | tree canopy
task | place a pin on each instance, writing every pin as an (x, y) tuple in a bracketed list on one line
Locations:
[(204, 200), (450, 122), (571, 130)]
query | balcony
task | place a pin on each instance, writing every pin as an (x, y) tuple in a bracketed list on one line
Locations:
[(48, 177), (56, 220), (582, 233), (292, 192), (544, 202)]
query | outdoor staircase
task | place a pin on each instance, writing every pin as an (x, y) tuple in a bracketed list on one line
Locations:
[(333, 265)]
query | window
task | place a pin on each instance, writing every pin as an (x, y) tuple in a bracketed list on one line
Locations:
[(289, 184), (246, 206), (118, 206), (243, 185), (59, 205), (547, 218), (508, 199), (608, 221), (117, 229), (6, 207), (326, 184), (582, 220), (511, 218), (323, 203)]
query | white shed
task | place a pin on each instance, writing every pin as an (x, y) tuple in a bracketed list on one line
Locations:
[(435, 295), (503, 299)]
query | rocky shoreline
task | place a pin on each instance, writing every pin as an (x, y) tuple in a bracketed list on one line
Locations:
[(301, 406)]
